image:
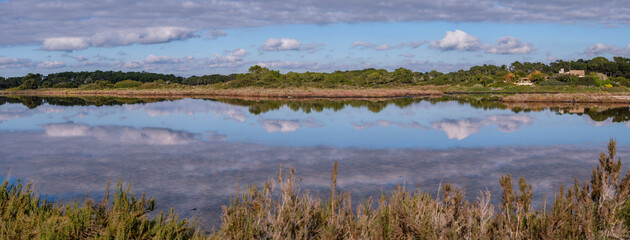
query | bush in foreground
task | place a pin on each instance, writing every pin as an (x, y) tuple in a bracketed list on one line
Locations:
[(26, 215), (599, 209), (596, 210)]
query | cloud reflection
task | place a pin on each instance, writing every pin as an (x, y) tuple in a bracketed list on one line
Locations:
[(203, 176), (387, 123), (118, 134), (283, 126), (10, 112), (286, 126), (462, 128), (191, 107), (459, 129)]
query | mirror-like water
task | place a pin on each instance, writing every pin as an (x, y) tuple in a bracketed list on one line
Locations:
[(192, 153)]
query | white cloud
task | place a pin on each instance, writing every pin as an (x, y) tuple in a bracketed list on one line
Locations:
[(152, 59), (151, 35), (385, 46), (215, 34), (462, 41), (132, 64), (65, 44), (361, 44), (51, 64), (231, 60), (411, 44), (291, 65), (33, 21), (9, 62), (603, 49), (457, 40), (282, 44), (312, 47), (510, 45)]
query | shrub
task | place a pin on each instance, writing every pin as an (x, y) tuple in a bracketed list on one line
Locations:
[(586, 81), (149, 85), (551, 82), (28, 84), (25, 215), (98, 85), (623, 81), (65, 85), (127, 84)]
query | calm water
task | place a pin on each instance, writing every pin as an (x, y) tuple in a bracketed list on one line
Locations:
[(192, 153)]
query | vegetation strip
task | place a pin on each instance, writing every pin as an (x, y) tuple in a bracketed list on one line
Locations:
[(595, 209)]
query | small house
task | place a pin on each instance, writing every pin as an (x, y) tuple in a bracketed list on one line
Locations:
[(578, 73), (524, 82)]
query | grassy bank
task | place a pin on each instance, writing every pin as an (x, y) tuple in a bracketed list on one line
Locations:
[(595, 209), (510, 94)]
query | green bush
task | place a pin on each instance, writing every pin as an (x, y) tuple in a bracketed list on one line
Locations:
[(24, 214), (150, 85), (623, 81), (551, 82), (127, 84), (586, 81), (98, 85), (65, 85), (28, 84)]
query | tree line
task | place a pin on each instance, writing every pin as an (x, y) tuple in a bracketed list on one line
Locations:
[(600, 72)]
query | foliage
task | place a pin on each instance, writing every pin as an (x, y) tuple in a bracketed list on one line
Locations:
[(623, 81), (98, 85), (24, 214), (258, 76), (127, 84), (551, 82)]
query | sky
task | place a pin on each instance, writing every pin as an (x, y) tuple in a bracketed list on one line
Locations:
[(201, 37)]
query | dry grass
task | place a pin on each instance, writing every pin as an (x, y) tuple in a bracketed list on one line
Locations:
[(599, 209)]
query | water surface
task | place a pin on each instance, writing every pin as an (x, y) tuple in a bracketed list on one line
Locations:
[(192, 153)]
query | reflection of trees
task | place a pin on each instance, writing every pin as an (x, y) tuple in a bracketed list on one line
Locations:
[(33, 102), (594, 111), (486, 103), (617, 114), (5, 100), (318, 105)]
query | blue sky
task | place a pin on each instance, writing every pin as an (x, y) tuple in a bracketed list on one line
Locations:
[(205, 37)]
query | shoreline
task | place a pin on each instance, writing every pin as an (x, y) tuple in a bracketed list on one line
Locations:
[(317, 93)]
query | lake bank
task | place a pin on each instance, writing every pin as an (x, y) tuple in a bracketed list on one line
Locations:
[(546, 95)]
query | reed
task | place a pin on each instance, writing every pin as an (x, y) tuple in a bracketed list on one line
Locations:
[(280, 209), (599, 209), (27, 215)]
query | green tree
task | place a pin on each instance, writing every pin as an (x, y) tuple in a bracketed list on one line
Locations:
[(403, 76)]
